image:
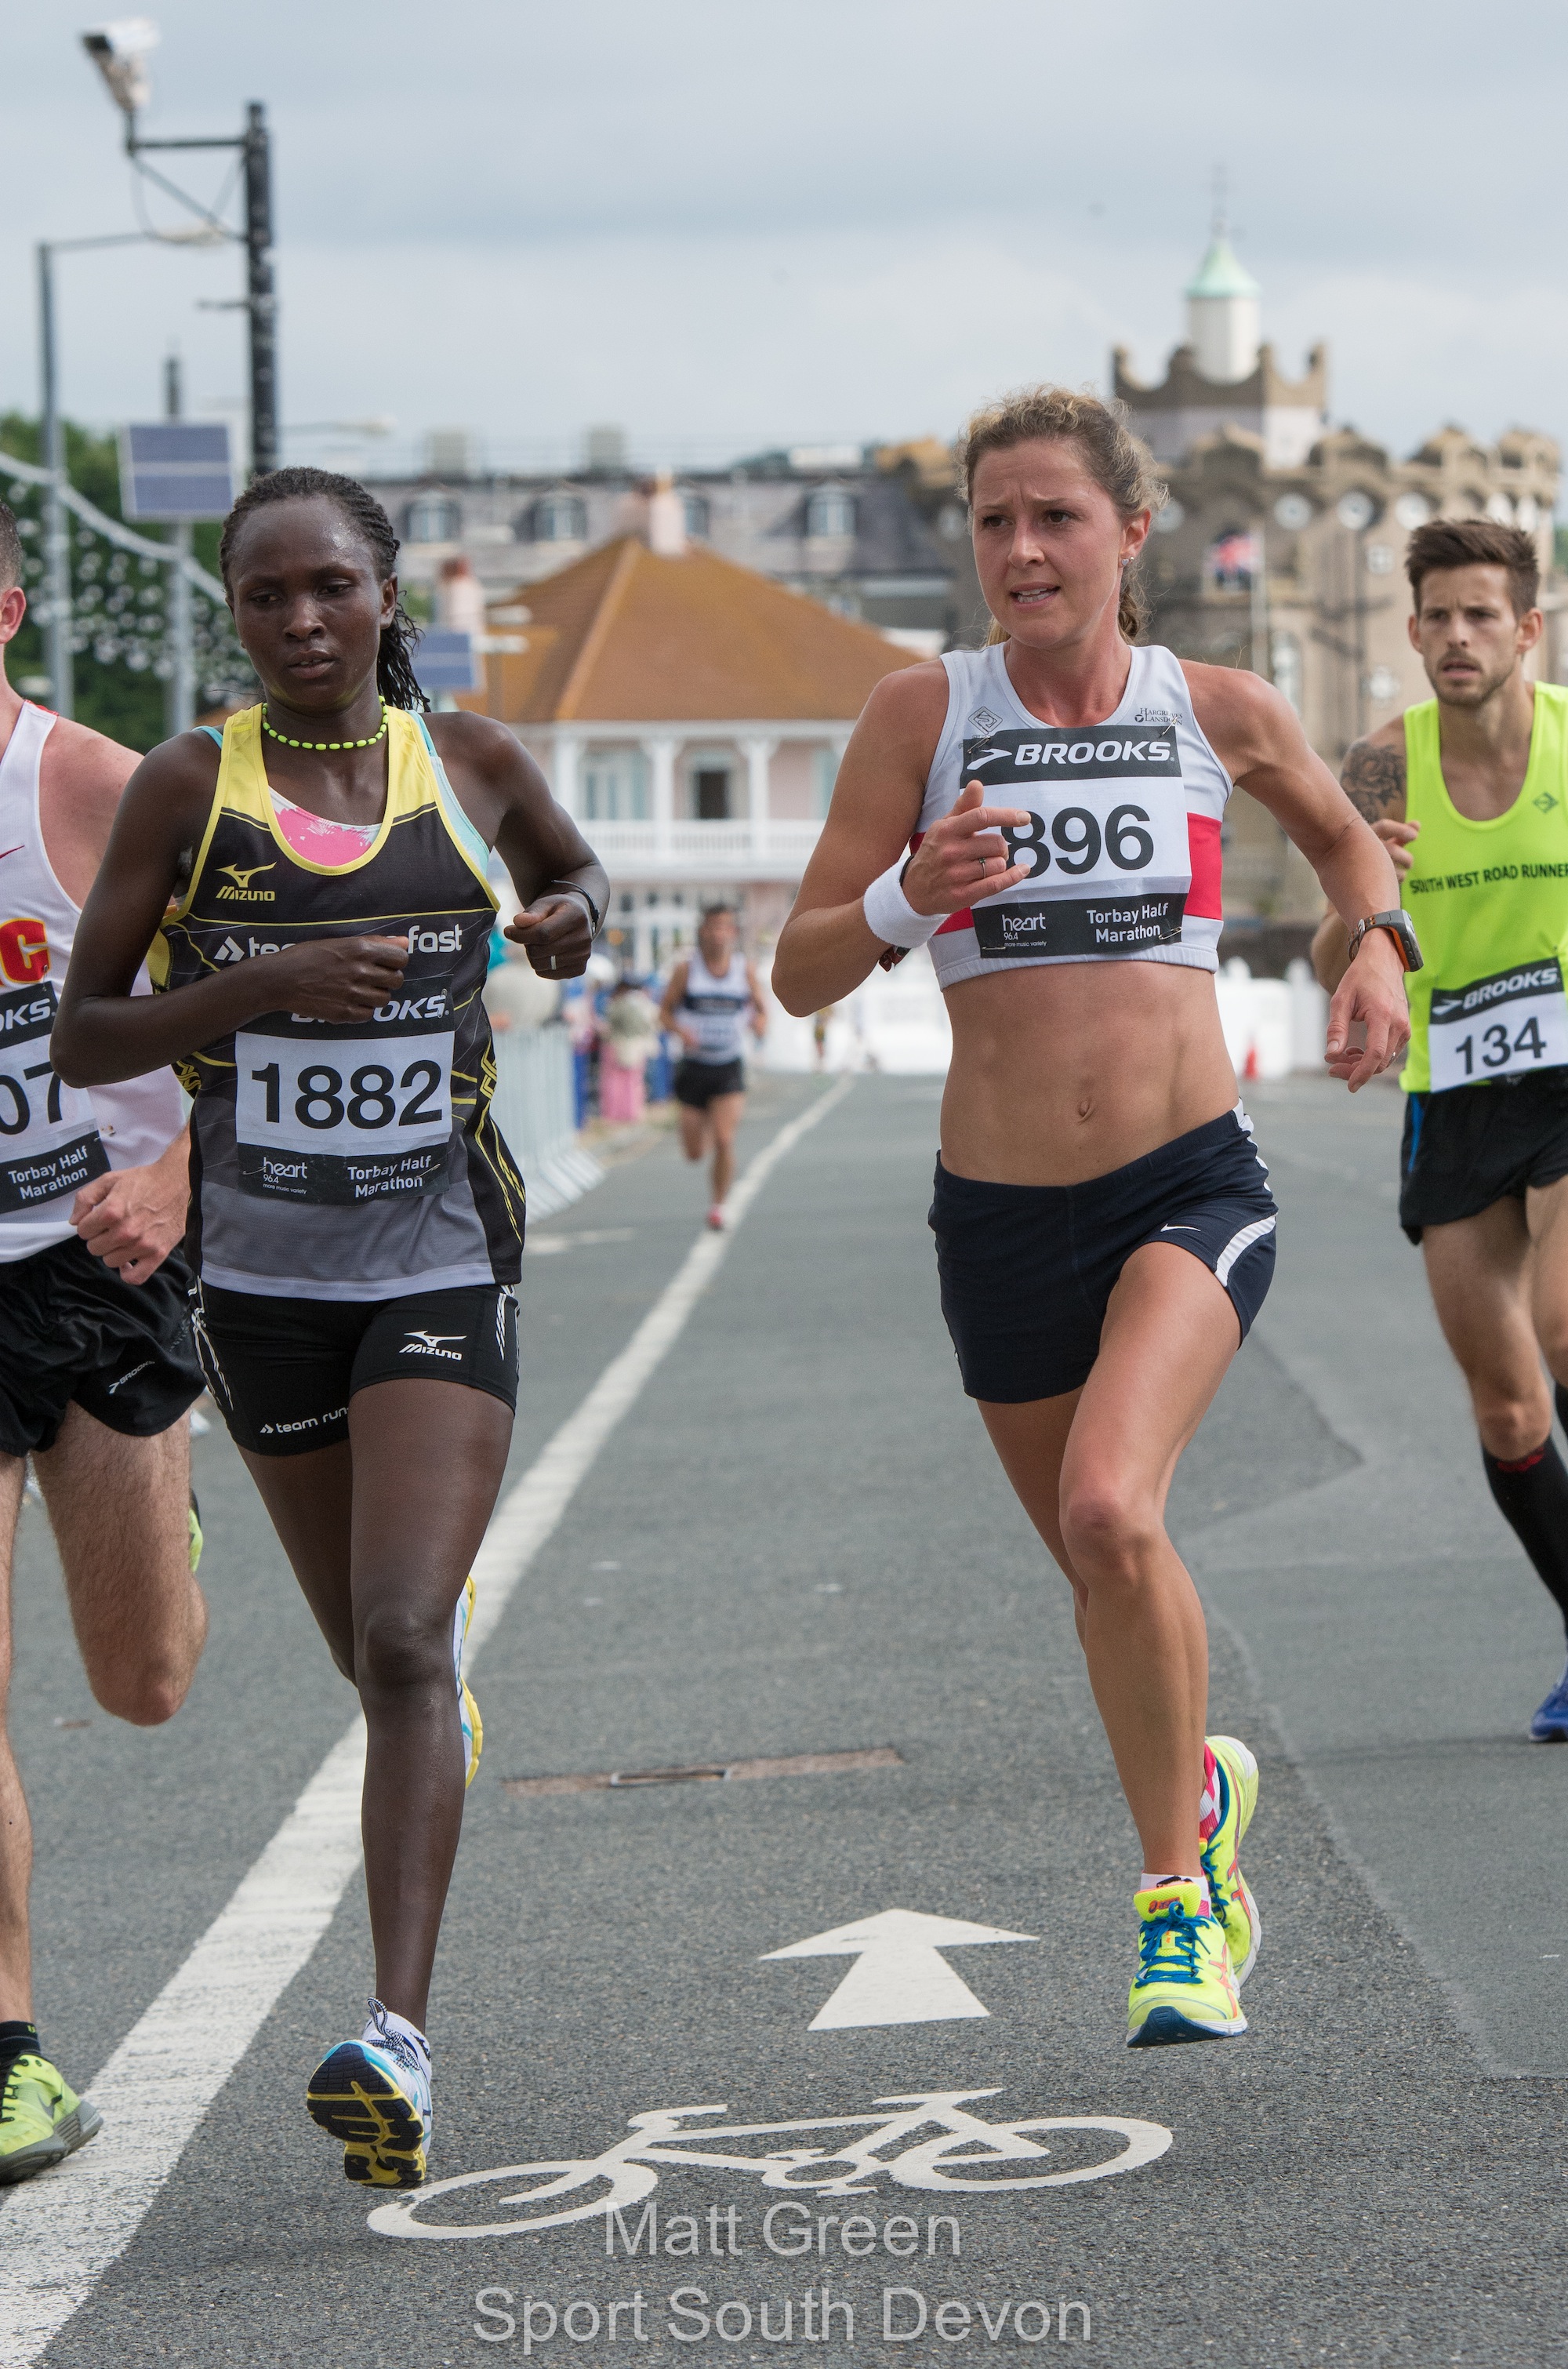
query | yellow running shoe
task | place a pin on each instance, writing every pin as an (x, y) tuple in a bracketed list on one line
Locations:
[(374, 2093), (1184, 1988), (473, 1726), (41, 2120), (1228, 1895)]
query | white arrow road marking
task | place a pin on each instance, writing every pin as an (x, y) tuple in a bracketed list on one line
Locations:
[(900, 1974), (61, 2232)]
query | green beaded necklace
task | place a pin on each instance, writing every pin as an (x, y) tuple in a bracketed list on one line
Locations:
[(325, 747)]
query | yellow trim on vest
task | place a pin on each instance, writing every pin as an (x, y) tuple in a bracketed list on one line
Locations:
[(245, 789), (182, 910)]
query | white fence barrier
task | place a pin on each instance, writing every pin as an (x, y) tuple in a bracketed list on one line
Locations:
[(535, 1109), (1272, 1026), (897, 1022)]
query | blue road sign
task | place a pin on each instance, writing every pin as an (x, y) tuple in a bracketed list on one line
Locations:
[(447, 661), (174, 469)]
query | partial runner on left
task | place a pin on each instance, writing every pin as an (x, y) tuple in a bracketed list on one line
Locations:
[(97, 1363)]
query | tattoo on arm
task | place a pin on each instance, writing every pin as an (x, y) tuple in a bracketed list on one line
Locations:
[(1374, 780)]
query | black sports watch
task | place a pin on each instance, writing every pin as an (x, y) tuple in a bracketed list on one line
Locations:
[(1400, 928), (570, 888)]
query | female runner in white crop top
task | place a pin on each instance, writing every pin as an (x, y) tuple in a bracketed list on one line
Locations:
[(1103, 1225)]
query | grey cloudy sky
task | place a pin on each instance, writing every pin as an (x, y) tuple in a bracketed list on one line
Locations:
[(727, 224)]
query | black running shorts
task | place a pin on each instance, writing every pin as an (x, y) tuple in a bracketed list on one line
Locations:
[(1474, 1145), (698, 1083), (71, 1332), (281, 1371), (1028, 1270)]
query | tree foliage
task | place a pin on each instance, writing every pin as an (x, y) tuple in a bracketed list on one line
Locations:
[(118, 600)]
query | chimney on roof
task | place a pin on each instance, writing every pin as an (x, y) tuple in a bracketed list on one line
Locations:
[(666, 519), (460, 598)]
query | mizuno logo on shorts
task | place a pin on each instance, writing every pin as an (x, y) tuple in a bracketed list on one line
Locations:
[(430, 1345)]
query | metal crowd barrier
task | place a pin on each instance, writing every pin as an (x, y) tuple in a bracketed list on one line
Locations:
[(535, 1110)]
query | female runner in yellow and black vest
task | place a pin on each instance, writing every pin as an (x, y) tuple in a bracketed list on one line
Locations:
[(315, 898)]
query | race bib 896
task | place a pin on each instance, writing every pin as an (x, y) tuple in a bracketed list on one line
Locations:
[(1105, 843), (1505, 1026), (346, 1118)]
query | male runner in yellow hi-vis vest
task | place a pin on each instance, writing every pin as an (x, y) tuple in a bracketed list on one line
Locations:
[(1469, 793)]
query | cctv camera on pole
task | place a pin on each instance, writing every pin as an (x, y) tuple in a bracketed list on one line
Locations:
[(120, 53)]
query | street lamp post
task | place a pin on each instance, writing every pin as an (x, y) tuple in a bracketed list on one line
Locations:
[(258, 291), (56, 535), (180, 694), (120, 53), (56, 543)]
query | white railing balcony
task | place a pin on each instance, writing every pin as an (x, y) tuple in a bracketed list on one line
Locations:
[(772, 848)]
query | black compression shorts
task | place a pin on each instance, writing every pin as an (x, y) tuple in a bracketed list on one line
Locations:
[(697, 1084), (1028, 1270), (71, 1331), (281, 1371), (1474, 1145)]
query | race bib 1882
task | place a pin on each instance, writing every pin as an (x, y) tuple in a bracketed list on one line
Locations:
[(346, 1118), (48, 1138), (1105, 843), (1504, 1027)]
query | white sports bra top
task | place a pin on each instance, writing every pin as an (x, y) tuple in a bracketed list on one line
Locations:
[(1123, 830)]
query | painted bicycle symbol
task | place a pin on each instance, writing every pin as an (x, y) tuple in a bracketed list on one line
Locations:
[(927, 2141)]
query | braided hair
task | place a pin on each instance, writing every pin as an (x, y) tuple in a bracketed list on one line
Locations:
[(394, 676)]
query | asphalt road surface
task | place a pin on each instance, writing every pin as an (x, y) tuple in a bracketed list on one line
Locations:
[(794, 1544)]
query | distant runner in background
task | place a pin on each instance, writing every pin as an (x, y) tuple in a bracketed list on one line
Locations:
[(1469, 791), (97, 1363), (712, 1001), (628, 1041), (820, 1023)]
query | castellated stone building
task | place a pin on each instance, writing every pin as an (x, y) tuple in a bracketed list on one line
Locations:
[(1282, 546)]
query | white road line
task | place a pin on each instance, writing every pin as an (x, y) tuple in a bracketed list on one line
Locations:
[(61, 2232)]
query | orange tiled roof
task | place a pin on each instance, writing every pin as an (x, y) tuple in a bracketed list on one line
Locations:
[(624, 636)]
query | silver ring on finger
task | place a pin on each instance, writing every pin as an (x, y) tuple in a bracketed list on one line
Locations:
[(551, 962)]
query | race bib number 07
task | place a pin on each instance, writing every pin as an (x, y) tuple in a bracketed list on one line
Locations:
[(1505, 1026), (350, 1118), (1106, 844), (50, 1144)]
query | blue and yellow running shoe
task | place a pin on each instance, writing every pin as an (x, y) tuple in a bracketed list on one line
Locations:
[(473, 1726), (1184, 1988), (1550, 1724), (1230, 1896), (374, 2093), (42, 2118)]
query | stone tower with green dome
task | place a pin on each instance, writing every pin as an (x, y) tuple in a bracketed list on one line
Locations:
[(1223, 376), (1281, 548), (1223, 326)]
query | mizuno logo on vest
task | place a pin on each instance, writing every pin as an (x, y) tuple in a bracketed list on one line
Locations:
[(242, 890)]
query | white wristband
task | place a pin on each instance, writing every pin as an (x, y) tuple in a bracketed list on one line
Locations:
[(889, 915)]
